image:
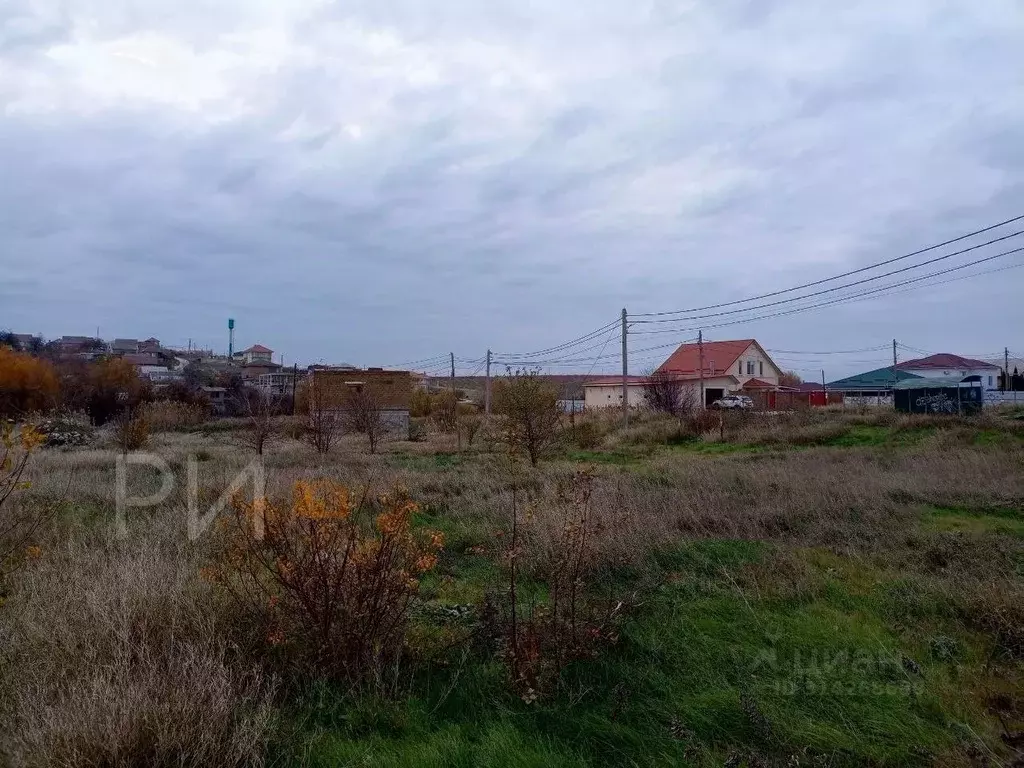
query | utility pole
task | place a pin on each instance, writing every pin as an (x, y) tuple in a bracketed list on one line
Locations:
[(295, 376), (625, 374), (894, 373), (487, 386), (700, 350), (455, 405), (1006, 369), (824, 392)]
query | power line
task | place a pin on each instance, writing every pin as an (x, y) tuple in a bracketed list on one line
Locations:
[(574, 342), (844, 274), (829, 352), (845, 285), (841, 299)]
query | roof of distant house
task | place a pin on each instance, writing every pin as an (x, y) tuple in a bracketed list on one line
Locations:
[(806, 386), (142, 358), (257, 348), (606, 381), (719, 356), (943, 361), (757, 384), (880, 378)]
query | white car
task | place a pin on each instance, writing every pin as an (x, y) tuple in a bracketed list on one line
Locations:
[(733, 401)]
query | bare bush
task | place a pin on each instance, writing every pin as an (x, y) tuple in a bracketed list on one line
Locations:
[(470, 424), (322, 421), (17, 523), (260, 411), (539, 640), (668, 393), (172, 415), (131, 430), (364, 413), (444, 411)]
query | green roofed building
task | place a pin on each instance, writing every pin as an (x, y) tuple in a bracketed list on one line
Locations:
[(873, 385)]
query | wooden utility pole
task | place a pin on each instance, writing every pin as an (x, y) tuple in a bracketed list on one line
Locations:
[(894, 370), (824, 392), (455, 405), (700, 350), (625, 374), (295, 377), (1006, 369), (487, 386)]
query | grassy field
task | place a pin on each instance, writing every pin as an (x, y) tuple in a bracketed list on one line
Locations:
[(820, 589)]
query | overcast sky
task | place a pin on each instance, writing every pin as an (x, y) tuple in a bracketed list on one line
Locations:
[(381, 181)]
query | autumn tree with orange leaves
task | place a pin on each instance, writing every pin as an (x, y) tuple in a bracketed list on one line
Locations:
[(27, 384), (112, 387), (327, 579)]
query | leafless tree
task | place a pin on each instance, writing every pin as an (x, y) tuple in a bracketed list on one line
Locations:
[(469, 425), (666, 392), (364, 413), (259, 409), (790, 379), (445, 411), (530, 411), (321, 420)]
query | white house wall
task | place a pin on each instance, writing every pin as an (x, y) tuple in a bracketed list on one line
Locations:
[(756, 361), (939, 373)]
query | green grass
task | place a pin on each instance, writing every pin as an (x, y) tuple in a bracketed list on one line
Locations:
[(708, 667), (426, 462), (1006, 521)]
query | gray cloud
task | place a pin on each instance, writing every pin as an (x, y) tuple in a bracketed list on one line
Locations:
[(378, 182)]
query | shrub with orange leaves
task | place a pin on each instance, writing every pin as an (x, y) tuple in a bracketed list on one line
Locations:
[(327, 579), (26, 383)]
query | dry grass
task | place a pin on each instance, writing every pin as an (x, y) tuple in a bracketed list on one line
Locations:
[(112, 657), (113, 652)]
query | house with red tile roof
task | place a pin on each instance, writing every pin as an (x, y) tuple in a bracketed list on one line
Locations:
[(257, 353), (727, 366), (945, 365)]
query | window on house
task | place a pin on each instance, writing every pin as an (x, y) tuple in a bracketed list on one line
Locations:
[(750, 367), (990, 381), (760, 367)]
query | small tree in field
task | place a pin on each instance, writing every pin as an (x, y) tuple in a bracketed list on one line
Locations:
[(667, 393), (364, 413), (259, 409), (321, 419), (530, 411)]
